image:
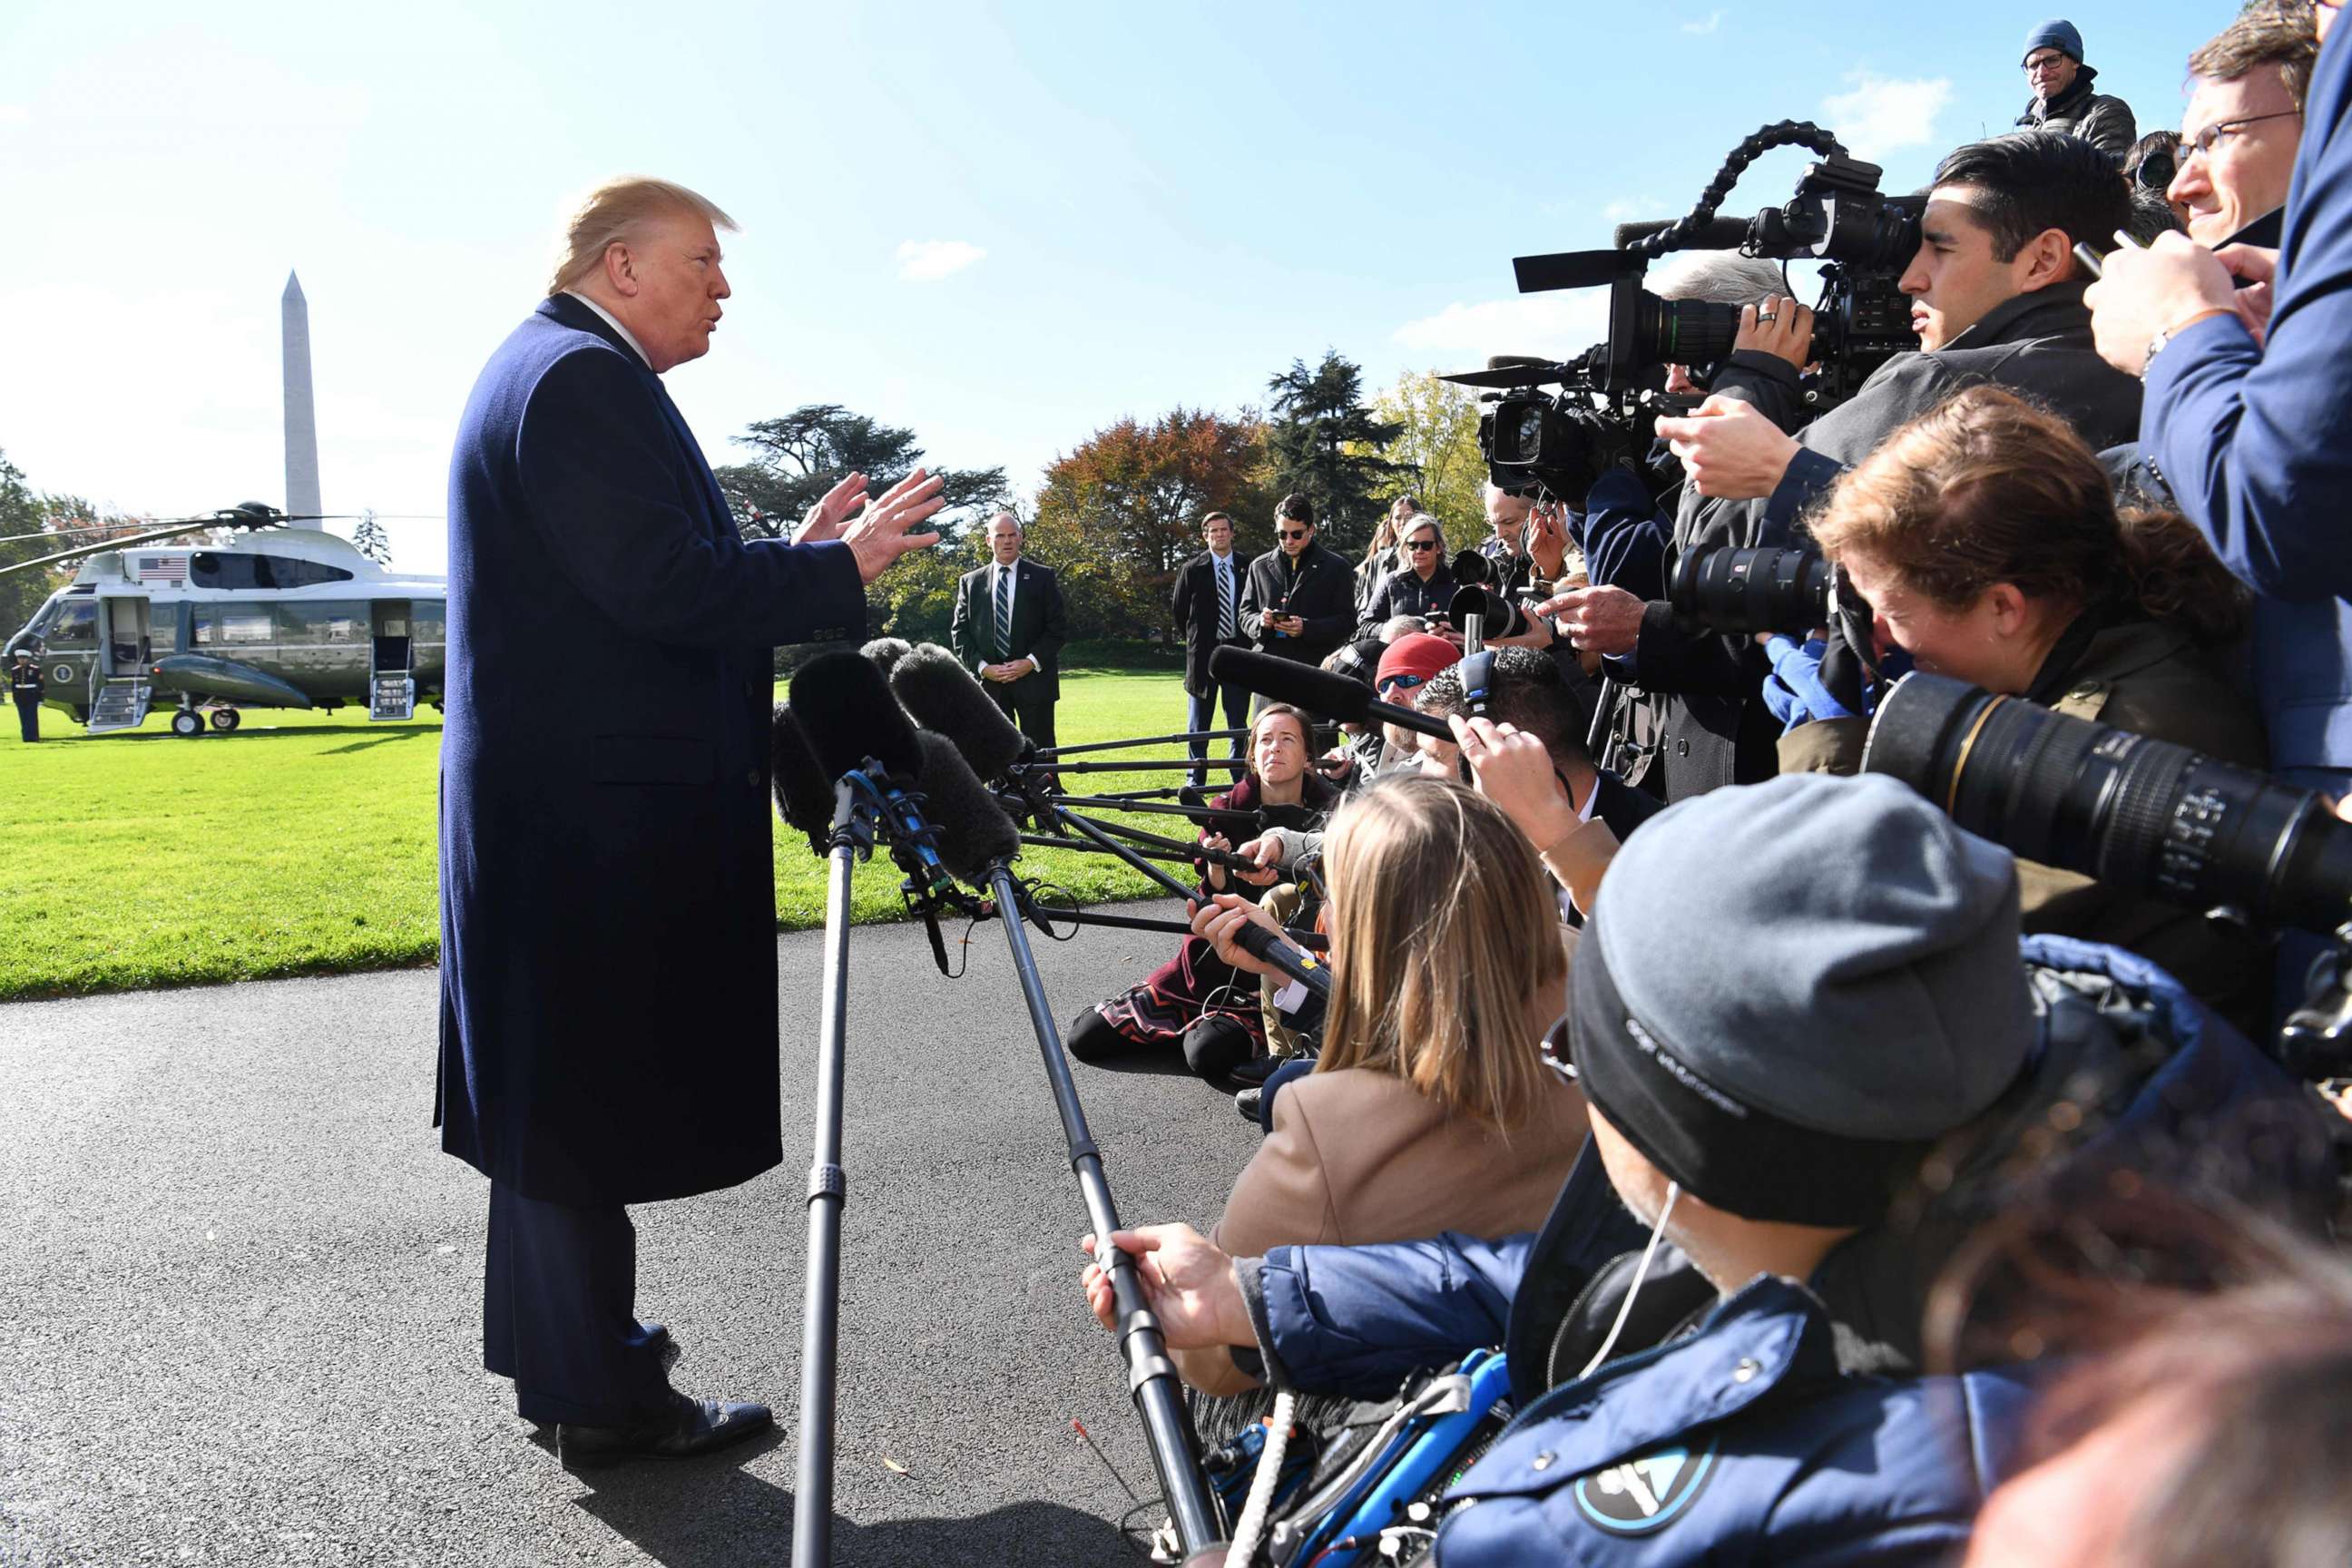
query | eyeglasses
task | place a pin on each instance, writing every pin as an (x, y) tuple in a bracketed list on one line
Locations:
[(1418, 545), (1401, 683), (2048, 62), (1558, 1052), (1296, 533), (2201, 144)]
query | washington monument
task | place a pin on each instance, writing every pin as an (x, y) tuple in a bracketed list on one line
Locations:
[(301, 422)]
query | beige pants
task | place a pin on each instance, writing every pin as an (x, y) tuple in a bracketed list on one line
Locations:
[(1283, 901)]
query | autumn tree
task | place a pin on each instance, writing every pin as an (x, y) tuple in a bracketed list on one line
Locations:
[(1434, 454), (1122, 511), (1324, 441)]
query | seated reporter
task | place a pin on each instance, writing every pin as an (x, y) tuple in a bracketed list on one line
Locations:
[(1430, 1109), (1195, 1002), (1984, 536), (1751, 1393)]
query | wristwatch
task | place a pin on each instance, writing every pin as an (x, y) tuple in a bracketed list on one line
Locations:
[(2156, 345)]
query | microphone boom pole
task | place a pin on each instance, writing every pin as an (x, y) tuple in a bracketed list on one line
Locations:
[(1152, 1377)]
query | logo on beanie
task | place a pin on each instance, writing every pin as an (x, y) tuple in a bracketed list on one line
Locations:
[(1680, 1073), (1644, 1493)]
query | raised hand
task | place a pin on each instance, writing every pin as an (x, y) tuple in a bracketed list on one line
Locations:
[(1728, 450), (881, 532), (826, 519)]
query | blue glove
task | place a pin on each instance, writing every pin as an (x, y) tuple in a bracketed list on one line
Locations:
[(1796, 693)]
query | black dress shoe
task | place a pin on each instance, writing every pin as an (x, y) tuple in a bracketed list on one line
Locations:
[(1247, 1102), (1256, 1070), (687, 1427)]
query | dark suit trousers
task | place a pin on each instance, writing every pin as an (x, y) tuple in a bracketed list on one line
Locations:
[(28, 720), (558, 1313), (1201, 713), (1028, 702)]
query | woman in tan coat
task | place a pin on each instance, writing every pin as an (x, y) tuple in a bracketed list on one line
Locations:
[(1430, 1108)]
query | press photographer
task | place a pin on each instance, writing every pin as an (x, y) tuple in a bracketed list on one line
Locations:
[(1985, 537)]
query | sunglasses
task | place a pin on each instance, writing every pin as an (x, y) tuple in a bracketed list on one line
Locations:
[(1296, 533), (1557, 1052), (1401, 683), (1418, 545)]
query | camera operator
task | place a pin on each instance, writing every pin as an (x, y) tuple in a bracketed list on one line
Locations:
[(1996, 299), (2249, 419), (1815, 1053), (1985, 537)]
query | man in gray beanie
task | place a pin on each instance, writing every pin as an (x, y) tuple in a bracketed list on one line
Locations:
[(2063, 97), (1794, 1001)]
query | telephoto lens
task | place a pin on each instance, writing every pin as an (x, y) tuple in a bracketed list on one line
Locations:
[(1740, 592), (2141, 815), (1682, 331)]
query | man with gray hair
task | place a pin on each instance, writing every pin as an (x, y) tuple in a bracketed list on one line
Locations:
[(608, 980), (1008, 628)]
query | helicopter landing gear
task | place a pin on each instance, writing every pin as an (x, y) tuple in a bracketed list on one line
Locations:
[(188, 721), (226, 719)]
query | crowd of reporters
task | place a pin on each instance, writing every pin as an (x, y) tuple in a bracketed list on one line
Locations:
[(1841, 1185)]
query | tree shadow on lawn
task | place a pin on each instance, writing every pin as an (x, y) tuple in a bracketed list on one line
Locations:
[(712, 1514)]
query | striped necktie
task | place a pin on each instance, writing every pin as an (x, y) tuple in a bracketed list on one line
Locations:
[(1224, 601), (1004, 611)]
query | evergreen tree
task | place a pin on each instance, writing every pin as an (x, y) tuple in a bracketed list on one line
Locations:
[(1324, 440), (371, 540)]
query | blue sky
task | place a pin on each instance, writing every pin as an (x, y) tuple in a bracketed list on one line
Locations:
[(1002, 225)]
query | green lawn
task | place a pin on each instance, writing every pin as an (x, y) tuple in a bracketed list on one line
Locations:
[(304, 843)]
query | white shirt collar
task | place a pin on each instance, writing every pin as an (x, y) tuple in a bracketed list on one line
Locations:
[(1584, 812), (614, 321)]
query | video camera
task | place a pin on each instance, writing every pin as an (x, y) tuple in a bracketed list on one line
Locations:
[(1560, 443)]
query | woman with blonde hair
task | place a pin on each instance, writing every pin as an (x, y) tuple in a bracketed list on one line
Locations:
[(1432, 1108), (1987, 541)]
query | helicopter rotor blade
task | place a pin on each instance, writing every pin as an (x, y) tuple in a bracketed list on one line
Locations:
[(104, 545)]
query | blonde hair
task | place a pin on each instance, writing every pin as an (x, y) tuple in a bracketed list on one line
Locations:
[(1443, 930), (618, 210)]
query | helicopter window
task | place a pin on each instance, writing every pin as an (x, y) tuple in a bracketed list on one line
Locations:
[(429, 622), (321, 621), (232, 570), (73, 624), (225, 625)]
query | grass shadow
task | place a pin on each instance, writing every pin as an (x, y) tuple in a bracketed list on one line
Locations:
[(264, 732), (376, 740)]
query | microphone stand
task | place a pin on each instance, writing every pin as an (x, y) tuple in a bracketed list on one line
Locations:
[(1150, 1375), (849, 840)]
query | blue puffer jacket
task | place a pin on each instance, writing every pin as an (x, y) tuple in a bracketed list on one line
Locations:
[(1780, 1428)]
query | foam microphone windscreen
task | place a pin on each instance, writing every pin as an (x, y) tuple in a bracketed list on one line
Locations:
[(843, 707), (803, 794), (974, 829), (886, 652), (1321, 692), (942, 696)]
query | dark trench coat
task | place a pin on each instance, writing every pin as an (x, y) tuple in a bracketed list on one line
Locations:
[(608, 980)]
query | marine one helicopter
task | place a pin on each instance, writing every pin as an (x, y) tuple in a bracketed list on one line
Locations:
[(281, 615)]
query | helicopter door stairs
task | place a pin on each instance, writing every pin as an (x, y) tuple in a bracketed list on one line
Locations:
[(392, 677), (119, 684)]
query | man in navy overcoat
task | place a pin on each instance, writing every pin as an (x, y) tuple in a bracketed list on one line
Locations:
[(608, 1018)]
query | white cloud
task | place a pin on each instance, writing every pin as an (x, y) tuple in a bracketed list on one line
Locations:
[(929, 260), (1460, 337), (1714, 21), (1633, 209), (1883, 114)]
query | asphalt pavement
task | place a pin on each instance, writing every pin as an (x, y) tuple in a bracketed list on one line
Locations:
[(240, 1287)]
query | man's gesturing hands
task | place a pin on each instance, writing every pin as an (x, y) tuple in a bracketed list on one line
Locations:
[(880, 531)]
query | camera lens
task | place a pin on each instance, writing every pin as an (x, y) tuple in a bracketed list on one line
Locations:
[(1682, 331), (2142, 814), (1743, 591)]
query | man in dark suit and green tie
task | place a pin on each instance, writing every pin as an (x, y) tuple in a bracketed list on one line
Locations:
[(1009, 628)]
